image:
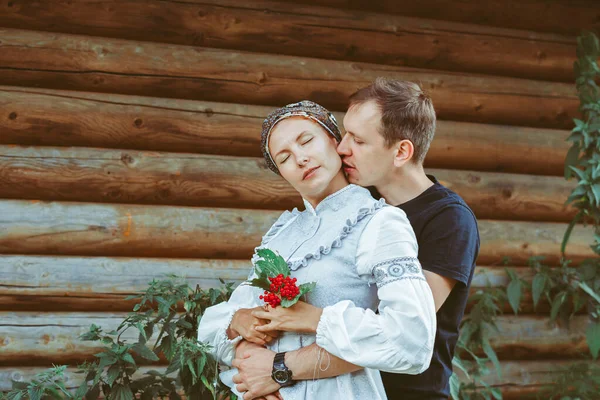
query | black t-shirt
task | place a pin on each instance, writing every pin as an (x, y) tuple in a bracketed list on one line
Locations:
[(448, 239)]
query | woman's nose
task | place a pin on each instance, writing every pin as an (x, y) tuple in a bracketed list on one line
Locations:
[(302, 160)]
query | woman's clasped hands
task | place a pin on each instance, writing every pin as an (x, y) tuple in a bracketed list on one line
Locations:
[(301, 317), (244, 324)]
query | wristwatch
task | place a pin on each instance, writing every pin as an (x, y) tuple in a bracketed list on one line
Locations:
[(281, 374)]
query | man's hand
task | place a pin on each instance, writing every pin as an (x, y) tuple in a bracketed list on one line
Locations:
[(254, 372), (244, 324), (301, 317)]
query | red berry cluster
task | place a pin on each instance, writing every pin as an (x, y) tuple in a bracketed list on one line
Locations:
[(281, 287)]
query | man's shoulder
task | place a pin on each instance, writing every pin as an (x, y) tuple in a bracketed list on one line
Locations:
[(444, 203)]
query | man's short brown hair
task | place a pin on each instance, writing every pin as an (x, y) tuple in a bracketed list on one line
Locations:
[(406, 113)]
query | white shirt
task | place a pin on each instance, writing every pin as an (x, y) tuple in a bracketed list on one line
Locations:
[(399, 339)]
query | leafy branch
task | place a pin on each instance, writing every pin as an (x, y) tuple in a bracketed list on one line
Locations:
[(169, 311)]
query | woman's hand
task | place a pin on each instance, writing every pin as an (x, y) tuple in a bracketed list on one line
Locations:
[(301, 317), (244, 324)]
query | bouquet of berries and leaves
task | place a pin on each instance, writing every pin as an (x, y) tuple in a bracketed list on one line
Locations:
[(273, 276)]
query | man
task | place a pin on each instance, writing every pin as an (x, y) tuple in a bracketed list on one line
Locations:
[(389, 128)]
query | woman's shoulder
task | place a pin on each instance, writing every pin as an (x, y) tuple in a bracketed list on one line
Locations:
[(284, 219), (390, 222)]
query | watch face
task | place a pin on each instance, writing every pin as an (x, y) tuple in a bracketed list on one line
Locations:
[(281, 376)]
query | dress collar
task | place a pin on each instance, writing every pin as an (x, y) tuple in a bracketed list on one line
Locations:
[(336, 200)]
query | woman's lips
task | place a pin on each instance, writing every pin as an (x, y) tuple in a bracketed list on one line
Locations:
[(309, 173)]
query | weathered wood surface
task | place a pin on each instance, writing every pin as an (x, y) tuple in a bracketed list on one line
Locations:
[(128, 176), (333, 33), (100, 283), (563, 16), (28, 338), (65, 118), (72, 379), (61, 61), (527, 379), (61, 228), (519, 380), (32, 283)]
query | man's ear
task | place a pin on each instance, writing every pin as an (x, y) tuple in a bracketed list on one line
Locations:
[(404, 151)]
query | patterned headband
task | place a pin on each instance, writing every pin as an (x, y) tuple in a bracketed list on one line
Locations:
[(305, 108)]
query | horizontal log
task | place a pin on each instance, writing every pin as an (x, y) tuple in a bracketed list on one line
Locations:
[(519, 379), (41, 283), (61, 61), (535, 15), (71, 379), (34, 339), (100, 283), (56, 228), (528, 379), (126, 176), (333, 33), (64, 118)]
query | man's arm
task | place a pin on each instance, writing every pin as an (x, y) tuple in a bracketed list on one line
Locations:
[(441, 287), (254, 364)]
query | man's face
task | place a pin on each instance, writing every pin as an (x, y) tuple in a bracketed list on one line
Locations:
[(366, 159)]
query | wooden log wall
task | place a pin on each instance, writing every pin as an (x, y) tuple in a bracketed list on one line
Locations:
[(129, 134)]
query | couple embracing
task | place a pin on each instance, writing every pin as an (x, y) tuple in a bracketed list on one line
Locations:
[(392, 263)]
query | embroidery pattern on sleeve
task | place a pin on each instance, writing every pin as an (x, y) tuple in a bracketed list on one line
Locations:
[(397, 269)]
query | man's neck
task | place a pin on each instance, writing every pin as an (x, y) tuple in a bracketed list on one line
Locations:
[(404, 185)]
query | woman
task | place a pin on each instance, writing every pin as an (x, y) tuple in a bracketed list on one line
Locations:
[(346, 241)]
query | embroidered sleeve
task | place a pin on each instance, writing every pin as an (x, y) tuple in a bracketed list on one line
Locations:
[(397, 269)]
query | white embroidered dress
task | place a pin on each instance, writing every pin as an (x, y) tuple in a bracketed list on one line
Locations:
[(363, 255)]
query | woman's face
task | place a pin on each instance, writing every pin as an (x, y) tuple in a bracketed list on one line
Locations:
[(307, 158)]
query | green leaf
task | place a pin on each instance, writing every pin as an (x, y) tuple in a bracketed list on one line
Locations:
[(167, 347), (201, 363), (81, 390), (112, 374), (207, 384), (262, 283), (537, 287), (556, 304), (144, 352), (15, 395), (571, 159), (580, 174), (584, 286), (121, 392), (274, 263), (127, 358), (304, 288), (514, 294), (567, 235), (457, 362), (190, 366), (175, 365), (491, 354), (596, 192), (592, 335), (496, 393), (35, 393), (454, 387)]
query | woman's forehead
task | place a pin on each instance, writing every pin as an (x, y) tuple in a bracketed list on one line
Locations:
[(291, 128)]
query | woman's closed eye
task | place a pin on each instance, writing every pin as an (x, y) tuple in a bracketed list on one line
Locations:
[(284, 159), (306, 141)]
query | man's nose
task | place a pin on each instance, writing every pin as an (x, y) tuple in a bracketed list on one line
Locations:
[(343, 149)]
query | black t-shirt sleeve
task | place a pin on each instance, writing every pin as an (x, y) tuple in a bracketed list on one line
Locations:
[(449, 243)]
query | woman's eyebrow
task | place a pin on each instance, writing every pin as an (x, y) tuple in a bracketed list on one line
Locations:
[(298, 138)]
